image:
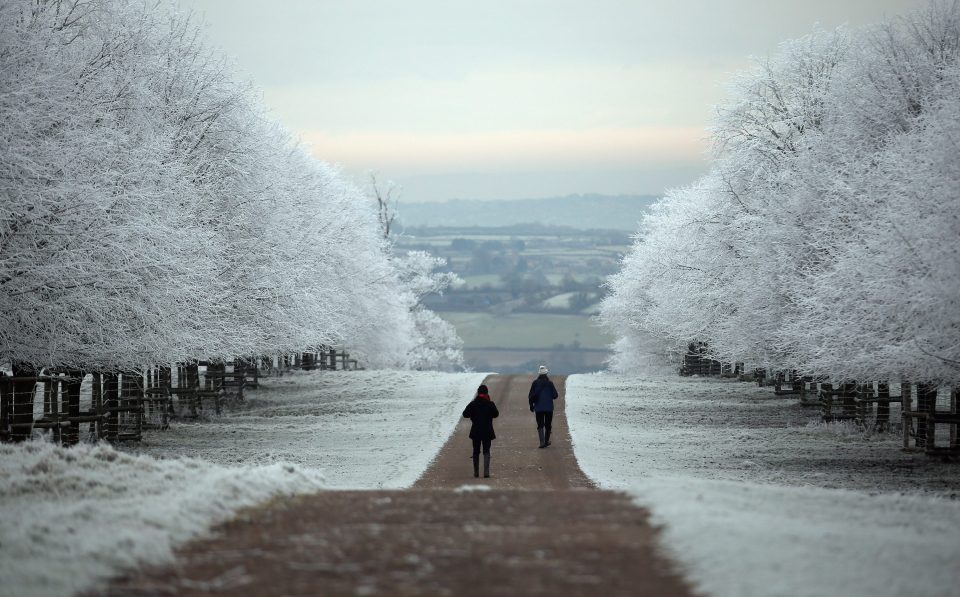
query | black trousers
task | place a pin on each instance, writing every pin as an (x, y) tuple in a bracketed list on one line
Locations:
[(545, 421), (476, 446)]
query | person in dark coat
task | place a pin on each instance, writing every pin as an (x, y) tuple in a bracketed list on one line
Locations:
[(542, 394), (481, 412)]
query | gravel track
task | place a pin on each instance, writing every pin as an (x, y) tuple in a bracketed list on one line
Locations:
[(536, 527)]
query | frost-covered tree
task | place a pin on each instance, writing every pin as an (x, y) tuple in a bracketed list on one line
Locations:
[(825, 236), (438, 346), (92, 252), (151, 212), (883, 294), (435, 342)]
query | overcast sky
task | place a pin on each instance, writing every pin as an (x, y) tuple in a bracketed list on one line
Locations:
[(510, 99)]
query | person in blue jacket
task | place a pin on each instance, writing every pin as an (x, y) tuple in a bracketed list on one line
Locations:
[(481, 412), (542, 394)]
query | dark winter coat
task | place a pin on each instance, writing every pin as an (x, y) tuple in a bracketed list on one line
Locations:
[(542, 394), (482, 413)]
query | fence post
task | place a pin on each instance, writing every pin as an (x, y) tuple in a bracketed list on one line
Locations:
[(954, 441), (5, 403), (72, 398), (96, 397), (906, 407), (883, 406), (826, 401), (58, 391), (931, 414), (926, 405), (22, 401), (111, 402)]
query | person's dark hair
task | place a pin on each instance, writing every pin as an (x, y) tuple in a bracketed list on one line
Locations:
[(483, 390)]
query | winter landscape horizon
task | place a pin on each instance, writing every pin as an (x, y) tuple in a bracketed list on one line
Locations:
[(276, 279)]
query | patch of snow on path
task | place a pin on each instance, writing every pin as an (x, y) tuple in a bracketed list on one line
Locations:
[(71, 518), (755, 499)]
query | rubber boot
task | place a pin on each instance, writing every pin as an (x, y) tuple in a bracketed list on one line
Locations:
[(476, 465), (486, 465), (543, 441), (546, 438)]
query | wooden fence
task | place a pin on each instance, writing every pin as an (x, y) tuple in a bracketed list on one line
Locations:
[(928, 414), (120, 405)]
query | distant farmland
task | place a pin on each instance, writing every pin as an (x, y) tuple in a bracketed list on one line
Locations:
[(528, 294), (518, 342), (526, 330)]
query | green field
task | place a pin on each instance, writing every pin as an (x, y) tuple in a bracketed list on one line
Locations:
[(476, 281), (525, 330), (556, 279)]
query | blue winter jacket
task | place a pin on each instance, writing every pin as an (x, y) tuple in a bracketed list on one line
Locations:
[(542, 394)]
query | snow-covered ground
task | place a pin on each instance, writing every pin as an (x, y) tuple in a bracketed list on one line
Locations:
[(363, 429), (70, 518), (755, 498)]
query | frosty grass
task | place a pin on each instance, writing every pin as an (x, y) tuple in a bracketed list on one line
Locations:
[(753, 497), (71, 518), (754, 500)]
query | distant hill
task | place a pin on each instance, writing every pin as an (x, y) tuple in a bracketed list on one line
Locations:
[(610, 212)]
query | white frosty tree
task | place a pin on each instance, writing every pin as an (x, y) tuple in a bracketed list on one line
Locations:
[(824, 238), (435, 342), (151, 212), (438, 346)]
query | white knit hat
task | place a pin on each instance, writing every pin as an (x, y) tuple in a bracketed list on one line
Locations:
[(543, 369)]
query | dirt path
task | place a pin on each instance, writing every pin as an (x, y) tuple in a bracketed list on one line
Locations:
[(516, 461), (536, 527)]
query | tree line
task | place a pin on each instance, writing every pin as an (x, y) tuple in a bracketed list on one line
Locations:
[(826, 236), (152, 212)]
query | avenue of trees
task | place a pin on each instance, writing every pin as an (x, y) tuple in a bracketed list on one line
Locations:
[(826, 236), (150, 211)]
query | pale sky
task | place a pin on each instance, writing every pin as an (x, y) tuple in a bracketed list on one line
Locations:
[(510, 99)]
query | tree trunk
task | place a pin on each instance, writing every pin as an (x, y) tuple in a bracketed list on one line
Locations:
[(21, 419), (826, 401), (96, 398), (111, 402), (883, 406), (5, 402), (926, 403), (954, 440), (906, 406), (72, 398)]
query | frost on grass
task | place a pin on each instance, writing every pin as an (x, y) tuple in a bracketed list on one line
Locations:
[(364, 429), (757, 498), (74, 517)]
